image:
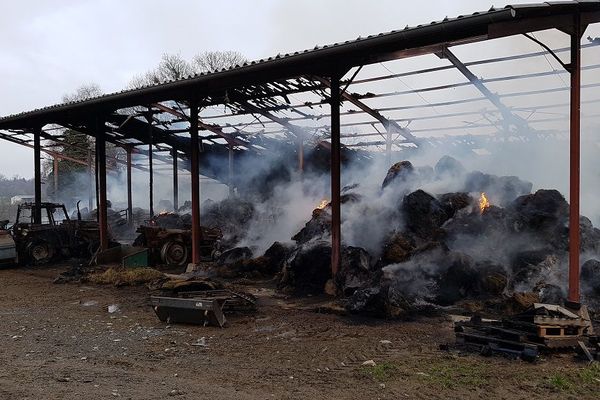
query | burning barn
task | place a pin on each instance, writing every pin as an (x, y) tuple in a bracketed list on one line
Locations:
[(453, 196)]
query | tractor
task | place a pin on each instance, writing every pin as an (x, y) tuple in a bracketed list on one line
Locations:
[(168, 237), (56, 237)]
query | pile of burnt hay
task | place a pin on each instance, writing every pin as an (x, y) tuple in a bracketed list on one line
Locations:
[(126, 276)]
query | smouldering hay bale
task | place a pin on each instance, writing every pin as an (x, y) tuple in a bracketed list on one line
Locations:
[(123, 276), (398, 249)]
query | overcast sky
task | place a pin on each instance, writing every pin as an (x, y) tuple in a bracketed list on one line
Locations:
[(50, 47)]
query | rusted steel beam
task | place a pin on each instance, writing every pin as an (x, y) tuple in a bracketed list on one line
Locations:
[(129, 192), (296, 130), (150, 163), (556, 21), (100, 129), (37, 175), (422, 106), (55, 176), (389, 125), (96, 186), (336, 238), (52, 153), (301, 155), (574, 163), (175, 181), (230, 172), (211, 128), (85, 131), (91, 182), (509, 118), (195, 178)]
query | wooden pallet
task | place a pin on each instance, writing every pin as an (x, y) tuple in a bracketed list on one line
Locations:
[(559, 331)]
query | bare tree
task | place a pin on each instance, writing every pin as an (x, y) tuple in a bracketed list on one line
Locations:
[(211, 61), (171, 67), (83, 92), (76, 145)]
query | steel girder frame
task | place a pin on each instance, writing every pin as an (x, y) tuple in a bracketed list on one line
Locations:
[(498, 23), (574, 69)]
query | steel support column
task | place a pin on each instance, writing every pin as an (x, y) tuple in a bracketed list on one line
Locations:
[(301, 155), (129, 196), (37, 171), (175, 181), (91, 182), (150, 164), (55, 176), (574, 163), (230, 171), (336, 238), (96, 180), (195, 177), (100, 130)]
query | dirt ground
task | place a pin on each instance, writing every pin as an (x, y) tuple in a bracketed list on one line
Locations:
[(60, 342)]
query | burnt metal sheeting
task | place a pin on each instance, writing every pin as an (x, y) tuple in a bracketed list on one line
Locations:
[(421, 39)]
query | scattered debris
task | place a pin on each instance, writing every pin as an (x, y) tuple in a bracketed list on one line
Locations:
[(200, 342), (543, 327), (127, 277), (113, 308)]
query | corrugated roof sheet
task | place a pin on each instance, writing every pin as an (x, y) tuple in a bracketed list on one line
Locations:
[(539, 9)]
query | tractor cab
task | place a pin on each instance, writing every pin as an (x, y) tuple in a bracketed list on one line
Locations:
[(56, 236), (51, 214)]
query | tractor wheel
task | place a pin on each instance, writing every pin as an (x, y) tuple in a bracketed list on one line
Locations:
[(216, 251), (215, 254), (174, 252), (40, 252)]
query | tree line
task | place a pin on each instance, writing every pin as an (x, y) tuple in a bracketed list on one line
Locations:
[(77, 145)]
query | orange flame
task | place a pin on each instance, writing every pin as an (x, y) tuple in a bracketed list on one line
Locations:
[(483, 203), (323, 204)]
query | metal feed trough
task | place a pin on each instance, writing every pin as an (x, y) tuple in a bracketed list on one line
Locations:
[(202, 307), (189, 311)]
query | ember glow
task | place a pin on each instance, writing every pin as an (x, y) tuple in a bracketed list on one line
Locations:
[(483, 203), (323, 204)]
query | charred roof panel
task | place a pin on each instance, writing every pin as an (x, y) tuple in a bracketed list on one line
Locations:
[(410, 41)]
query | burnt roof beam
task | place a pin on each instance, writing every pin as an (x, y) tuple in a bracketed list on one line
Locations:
[(396, 44), (299, 132), (509, 118), (85, 131), (24, 143), (389, 125), (211, 128)]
